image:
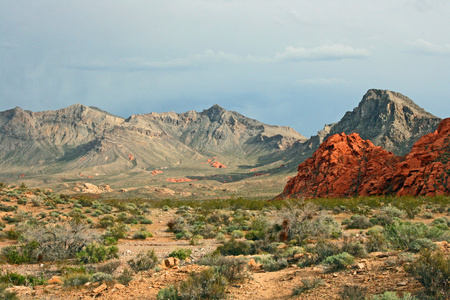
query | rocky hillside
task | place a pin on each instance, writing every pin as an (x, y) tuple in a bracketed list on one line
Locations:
[(388, 119), (346, 165), (80, 138)]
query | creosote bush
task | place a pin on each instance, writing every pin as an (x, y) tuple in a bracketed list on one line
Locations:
[(338, 262), (181, 253), (144, 261)]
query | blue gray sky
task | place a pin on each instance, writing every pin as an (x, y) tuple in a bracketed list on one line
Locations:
[(298, 63)]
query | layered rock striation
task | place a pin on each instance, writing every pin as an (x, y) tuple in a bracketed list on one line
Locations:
[(346, 165)]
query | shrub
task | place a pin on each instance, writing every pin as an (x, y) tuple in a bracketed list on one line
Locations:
[(271, 264), (376, 240), (402, 235), (77, 279), (358, 222), (353, 292), (234, 269), (168, 293), (144, 261), (339, 261), (181, 253), (109, 267), (96, 252), (117, 231), (142, 234), (102, 277), (196, 239), (146, 221), (233, 247), (208, 284), (432, 270), (18, 279), (307, 284), (220, 237), (237, 234)]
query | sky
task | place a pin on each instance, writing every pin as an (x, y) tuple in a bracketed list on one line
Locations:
[(297, 63)]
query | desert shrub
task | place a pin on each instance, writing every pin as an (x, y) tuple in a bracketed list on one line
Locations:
[(142, 234), (208, 284), (181, 253), (237, 234), (6, 295), (428, 215), (144, 261), (95, 252), (102, 277), (402, 235), (392, 296), (176, 225), (117, 231), (376, 240), (185, 234), (77, 279), (220, 237), (233, 247), (318, 253), (168, 293), (442, 223), (7, 208), (354, 246), (271, 264), (207, 231), (19, 279), (22, 201), (48, 243), (353, 292), (432, 270), (106, 221), (307, 285), (387, 215), (422, 243), (146, 221), (234, 269), (196, 239), (125, 277), (338, 262), (357, 222)]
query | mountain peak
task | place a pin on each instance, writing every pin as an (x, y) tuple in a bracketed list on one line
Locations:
[(215, 112)]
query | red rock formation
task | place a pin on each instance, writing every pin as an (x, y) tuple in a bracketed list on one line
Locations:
[(346, 165), (342, 166), (155, 172), (218, 165), (180, 179), (426, 168)]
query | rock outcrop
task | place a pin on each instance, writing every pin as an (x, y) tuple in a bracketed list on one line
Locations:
[(346, 165)]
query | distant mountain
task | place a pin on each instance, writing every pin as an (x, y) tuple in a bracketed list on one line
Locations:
[(388, 119), (80, 137), (79, 142)]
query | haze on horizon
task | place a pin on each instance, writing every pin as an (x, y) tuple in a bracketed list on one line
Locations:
[(296, 63)]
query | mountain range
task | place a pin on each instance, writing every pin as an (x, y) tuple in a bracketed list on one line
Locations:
[(86, 143)]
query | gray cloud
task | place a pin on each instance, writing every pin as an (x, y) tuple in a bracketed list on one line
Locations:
[(290, 54)]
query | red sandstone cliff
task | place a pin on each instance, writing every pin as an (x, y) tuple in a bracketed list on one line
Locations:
[(346, 165)]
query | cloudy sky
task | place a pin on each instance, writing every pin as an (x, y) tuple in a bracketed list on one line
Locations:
[(299, 63)]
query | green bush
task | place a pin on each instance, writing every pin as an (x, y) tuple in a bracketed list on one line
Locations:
[(432, 270), (144, 261), (233, 247), (95, 252), (168, 293), (357, 222), (402, 235), (237, 234), (77, 279), (234, 269), (208, 284), (181, 253), (102, 277), (339, 261), (117, 231), (142, 234), (19, 279), (272, 264)]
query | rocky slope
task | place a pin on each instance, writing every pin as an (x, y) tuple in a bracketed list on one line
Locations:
[(388, 119), (346, 165)]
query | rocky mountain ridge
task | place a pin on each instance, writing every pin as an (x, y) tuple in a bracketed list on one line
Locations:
[(86, 142)]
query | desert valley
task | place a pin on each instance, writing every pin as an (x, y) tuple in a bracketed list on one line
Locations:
[(215, 205)]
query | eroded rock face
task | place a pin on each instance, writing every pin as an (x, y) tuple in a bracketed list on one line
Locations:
[(426, 169), (346, 165)]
